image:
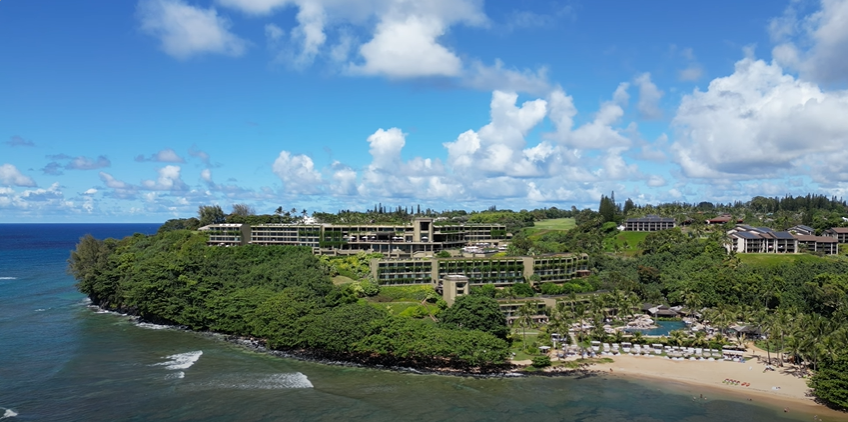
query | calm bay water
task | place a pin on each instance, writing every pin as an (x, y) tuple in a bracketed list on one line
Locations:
[(62, 361)]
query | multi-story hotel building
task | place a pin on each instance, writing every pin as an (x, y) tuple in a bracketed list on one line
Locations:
[(499, 271), (405, 240)]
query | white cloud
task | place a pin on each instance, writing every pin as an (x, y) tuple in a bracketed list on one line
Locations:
[(826, 30), (498, 77), (759, 122), (168, 180), (11, 176), (206, 175), (596, 134), (90, 191), (186, 31), (166, 155), (649, 97), (498, 147), (656, 181), (297, 173), (408, 47)]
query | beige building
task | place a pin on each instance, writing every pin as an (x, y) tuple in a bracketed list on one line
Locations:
[(499, 271), (421, 236)]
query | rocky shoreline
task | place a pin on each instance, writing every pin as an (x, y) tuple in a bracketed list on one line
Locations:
[(316, 356)]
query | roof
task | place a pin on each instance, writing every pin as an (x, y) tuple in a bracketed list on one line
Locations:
[(651, 219), (748, 235), (810, 229), (819, 239), (839, 229), (784, 235)]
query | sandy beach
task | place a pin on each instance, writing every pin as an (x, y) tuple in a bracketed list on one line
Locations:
[(781, 388)]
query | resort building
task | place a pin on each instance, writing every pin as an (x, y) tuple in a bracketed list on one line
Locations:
[(227, 234), (838, 233), (824, 244), (649, 223), (422, 235), (500, 271), (746, 239)]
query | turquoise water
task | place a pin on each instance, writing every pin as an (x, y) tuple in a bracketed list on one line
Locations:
[(62, 361), (663, 328)]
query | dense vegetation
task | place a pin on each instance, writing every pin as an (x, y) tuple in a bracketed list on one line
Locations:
[(278, 293), (799, 302)]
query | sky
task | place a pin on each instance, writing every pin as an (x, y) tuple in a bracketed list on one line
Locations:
[(143, 110)]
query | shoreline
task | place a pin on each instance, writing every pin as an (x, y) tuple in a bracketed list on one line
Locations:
[(700, 376), (705, 378)]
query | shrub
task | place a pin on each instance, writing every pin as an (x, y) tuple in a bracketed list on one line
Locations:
[(541, 361)]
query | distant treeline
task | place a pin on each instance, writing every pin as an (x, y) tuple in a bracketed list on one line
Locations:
[(279, 293)]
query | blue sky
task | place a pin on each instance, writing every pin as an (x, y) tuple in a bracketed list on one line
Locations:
[(143, 110)]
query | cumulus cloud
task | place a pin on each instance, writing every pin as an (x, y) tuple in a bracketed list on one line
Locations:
[(168, 180), (297, 171), (498, 148), (759, 122), (599, 133), (11, 176), (166, 155), (407, 48), (649, 97), (825, 30), (185, 31), (17, 141)]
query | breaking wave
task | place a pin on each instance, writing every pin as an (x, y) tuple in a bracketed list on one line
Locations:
[(261, 382), (150, 326), (180, 361), (8, 278), (9, 413)]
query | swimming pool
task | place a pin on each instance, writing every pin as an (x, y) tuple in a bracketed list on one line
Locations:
[(663, 328)]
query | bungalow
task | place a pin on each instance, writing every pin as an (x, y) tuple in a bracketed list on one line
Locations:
[(723, 219), (838, 233), (825, 244)]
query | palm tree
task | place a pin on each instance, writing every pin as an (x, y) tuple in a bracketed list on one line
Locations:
[(676, 337), (525, 319), (637, 337)]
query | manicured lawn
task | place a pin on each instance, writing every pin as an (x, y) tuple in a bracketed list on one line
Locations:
[(769, 259), (556, 224), (546, 226), (340, 279)]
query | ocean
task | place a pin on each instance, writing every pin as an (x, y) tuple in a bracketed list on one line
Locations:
[(61, 360)]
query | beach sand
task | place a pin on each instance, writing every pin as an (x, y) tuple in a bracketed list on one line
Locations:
[(705, 378)]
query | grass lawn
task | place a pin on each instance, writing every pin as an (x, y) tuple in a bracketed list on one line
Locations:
[(769, 259), (546, 226), (340, 279), (632, 239)]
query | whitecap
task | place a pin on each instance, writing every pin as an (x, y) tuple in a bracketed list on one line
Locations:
[(150, 326), (9, 413), (282, 381), (8, 278), (181, 360), (175, 375), (40, 310)]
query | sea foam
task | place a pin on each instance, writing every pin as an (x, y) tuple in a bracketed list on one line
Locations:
[(282, 381), (181, 360), (151, 326), (9, 413), (8, 278)]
